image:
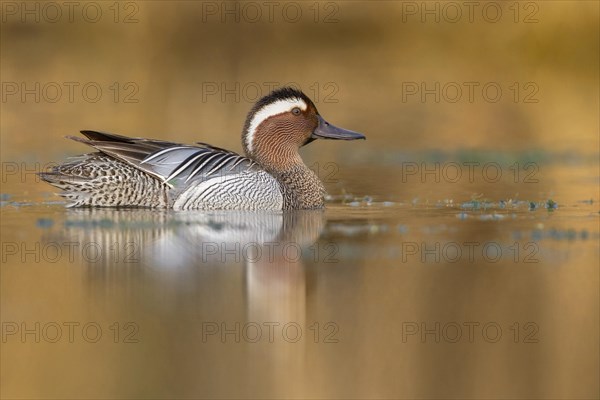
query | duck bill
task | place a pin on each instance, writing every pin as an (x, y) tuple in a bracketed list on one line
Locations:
[(327, 131)]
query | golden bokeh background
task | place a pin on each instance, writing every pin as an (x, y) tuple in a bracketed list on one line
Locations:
[(195, 68)]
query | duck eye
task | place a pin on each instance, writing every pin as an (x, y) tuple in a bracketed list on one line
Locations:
[(296, 111)]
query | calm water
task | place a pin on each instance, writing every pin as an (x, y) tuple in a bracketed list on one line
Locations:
[(402, 287)]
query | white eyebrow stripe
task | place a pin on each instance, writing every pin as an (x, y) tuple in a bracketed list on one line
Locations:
[(275, 108)]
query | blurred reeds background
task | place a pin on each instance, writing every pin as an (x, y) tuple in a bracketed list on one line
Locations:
[(195, 68)]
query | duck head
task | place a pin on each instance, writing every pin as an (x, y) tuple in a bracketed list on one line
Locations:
[(282, 122)]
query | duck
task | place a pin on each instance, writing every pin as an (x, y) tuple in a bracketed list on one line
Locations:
[(148, 173)]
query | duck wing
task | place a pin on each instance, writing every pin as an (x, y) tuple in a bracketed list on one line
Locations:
[(173, 163)]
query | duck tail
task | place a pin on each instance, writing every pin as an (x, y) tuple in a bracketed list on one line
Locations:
[(96, 180)]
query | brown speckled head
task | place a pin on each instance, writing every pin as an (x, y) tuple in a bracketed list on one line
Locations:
[(282, 122)]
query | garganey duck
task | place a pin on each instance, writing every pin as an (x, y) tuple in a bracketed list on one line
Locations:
[(136, 172)]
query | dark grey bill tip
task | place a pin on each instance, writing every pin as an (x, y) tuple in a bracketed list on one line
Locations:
[(327, 131)]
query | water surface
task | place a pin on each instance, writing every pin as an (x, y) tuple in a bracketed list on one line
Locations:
[(414, 289)]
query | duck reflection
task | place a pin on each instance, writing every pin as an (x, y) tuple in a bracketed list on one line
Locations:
[(269, 246), (172, 273)]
